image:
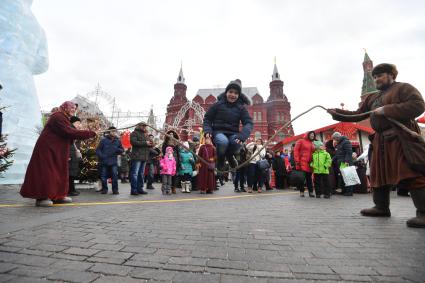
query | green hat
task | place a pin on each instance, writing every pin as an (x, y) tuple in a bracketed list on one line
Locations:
[(317, 144)]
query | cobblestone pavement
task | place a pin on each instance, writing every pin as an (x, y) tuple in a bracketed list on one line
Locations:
[(269, 237)]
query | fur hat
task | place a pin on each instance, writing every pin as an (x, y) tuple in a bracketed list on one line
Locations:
[(317, 144), (385, 68)]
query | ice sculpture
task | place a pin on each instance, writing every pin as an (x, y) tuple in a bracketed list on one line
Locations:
[(23, 53)]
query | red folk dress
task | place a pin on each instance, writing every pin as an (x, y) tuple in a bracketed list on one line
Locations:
[(206, 177), (47, 172)]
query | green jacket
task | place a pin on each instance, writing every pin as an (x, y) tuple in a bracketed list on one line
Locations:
[(139, 146), (321, 162)]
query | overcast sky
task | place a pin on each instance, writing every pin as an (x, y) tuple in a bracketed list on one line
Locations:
[(133, 48)]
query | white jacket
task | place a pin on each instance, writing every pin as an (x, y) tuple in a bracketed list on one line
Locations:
[(260, 149)]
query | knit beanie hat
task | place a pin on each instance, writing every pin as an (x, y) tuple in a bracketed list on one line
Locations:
[(336, 136), (317, 144), (236, 84)]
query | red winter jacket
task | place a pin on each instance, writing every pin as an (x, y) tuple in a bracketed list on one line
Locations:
[(303, 153)]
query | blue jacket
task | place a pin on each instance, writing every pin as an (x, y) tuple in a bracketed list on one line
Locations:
[(225, 117), (108, 150)]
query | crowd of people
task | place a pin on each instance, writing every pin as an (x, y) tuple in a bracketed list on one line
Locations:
[(396, 153)]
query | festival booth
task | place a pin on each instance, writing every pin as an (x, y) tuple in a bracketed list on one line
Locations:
[(356, 133)]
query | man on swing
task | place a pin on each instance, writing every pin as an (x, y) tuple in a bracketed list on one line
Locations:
[(222, 120), (396, 158)]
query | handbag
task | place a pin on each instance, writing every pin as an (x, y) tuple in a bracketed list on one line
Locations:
[(263, 164), (296, 178), (349, 175)]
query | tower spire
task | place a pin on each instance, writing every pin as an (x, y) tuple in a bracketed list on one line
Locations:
[(276, 75), (368, 82), (180, 78)]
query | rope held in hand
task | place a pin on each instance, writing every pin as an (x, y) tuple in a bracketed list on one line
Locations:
[(267, 143)]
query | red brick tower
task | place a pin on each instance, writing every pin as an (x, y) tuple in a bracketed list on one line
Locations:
[(278, 108), (178, 100)]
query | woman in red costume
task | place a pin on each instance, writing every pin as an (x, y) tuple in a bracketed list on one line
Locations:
[(46, 179)]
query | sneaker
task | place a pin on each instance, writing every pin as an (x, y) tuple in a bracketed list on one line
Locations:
[(242, 190), (318, 196), (150, 187), (302, 194), (44, 203), (142, 192), (116, 193), (311, 195), (326, 196), (64, 200), (237, 190), (134, 193)]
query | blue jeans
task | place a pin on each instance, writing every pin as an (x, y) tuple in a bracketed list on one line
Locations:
[(239, 180), (104, 174), (226, 144), (136, 175)]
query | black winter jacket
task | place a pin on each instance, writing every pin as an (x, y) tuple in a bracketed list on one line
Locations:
[(343, 152), (225, 117)]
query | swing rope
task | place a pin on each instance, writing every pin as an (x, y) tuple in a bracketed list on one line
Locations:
[(365, 114)]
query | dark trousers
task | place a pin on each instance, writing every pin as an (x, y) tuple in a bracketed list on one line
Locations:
[(239, 181), (309, 183), (255, 176), (151, 172), (321, 184), (109, 170), (71, 187), (279, 181)]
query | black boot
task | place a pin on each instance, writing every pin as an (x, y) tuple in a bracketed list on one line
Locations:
[(381, 198), (418, 197)]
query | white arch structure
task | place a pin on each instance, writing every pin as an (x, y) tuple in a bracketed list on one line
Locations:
[(189, 123)]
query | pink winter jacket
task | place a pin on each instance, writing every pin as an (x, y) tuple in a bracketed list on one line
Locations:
[(168, 166)]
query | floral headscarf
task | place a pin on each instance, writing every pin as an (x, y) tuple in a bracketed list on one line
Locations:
[(66, 107)]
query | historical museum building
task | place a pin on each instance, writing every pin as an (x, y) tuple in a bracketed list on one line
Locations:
[(268, 116)]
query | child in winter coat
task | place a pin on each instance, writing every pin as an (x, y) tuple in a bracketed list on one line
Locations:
[(187, 161), (168, 170), (321, 162), (206, 175)]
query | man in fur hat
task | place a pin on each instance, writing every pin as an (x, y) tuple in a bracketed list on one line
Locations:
[(393, 163), (222, 120)]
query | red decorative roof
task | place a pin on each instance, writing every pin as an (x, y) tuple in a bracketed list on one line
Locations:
[(345, 128)]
